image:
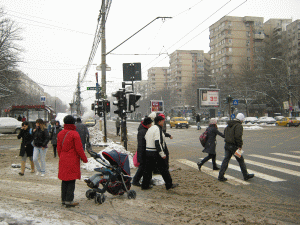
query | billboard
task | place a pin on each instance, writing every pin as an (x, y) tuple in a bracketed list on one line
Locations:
[(157, 106), (209, 97)]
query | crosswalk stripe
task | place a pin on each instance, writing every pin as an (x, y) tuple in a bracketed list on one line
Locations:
[(286, 155), (277, 160), (279, 169), (231, 180), (257, 174)]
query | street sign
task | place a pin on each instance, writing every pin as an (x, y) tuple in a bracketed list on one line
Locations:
[(235, 102), (43, 98), (232, 116), (93, 88)]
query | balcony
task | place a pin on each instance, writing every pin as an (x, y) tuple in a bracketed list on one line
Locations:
[(259, 36)]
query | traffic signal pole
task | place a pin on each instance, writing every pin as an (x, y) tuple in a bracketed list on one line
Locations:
[(103, 63)]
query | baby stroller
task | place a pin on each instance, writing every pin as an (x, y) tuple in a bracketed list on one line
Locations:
[(115, 177)]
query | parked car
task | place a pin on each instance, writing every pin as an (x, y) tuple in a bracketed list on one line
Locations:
[(278, 117), (250, 120), (288, 122), (266, 119), (90, 122), (179, 122), (10, 125)]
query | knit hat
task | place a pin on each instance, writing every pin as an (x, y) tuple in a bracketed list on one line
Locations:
[(147, 121), (240, 116), (152, 115), (69, 119), (162, 115), (157, 119), (213, 121)]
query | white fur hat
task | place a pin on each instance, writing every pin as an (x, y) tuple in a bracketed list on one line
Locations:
[(240, 116)]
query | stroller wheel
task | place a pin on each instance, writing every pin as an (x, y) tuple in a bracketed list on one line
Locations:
[(131, 194), (100, 198), (90, 194)]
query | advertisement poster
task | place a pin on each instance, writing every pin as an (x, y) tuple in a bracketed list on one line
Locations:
[(157, 106), (209, 97)]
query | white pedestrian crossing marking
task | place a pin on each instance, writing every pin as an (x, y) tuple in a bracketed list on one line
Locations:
[(257, 174), (286, 155), (279, 169), (277, 160), (231, 180)]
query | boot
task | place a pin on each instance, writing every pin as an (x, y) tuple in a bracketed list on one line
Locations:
[(199, 165), (32, 167), (215, 167), (22, 168)]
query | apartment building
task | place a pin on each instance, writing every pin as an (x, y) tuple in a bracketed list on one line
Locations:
[(293, 40), (234, 42), (158, 79), (275, 35), (188, 69)]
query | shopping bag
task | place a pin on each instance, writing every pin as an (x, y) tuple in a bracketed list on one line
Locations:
[(239, 153), (135, 160)]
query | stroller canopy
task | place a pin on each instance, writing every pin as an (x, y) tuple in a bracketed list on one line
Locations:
[(118, 158)]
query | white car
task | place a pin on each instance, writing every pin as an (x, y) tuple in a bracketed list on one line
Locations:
[(267, 120), (10, 125), (250, 120)]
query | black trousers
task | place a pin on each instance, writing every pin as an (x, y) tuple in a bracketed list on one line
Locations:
[(67, 191), (118, 130), (139, 173), (54, 149), (151, 158)]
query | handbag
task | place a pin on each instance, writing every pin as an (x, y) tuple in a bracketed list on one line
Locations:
[(135, 160)]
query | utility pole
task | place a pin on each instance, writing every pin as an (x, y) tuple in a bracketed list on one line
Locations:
[(78, 102), (103, 62)]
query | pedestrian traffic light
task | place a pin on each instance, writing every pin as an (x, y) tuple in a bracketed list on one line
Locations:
[(133, 98), (93, 106), (99, 107), (107, 106)]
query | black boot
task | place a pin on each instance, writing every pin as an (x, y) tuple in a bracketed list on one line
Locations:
[(199, 165)]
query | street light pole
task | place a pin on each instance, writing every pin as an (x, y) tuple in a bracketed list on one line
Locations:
[(289, 85)]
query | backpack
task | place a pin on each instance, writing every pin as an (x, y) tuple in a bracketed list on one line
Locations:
[(203, 138)]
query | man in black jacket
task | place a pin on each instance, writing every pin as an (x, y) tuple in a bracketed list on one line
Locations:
[(233, 141), (141, 149)]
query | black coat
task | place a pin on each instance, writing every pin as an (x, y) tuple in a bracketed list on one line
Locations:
[(26, 145), (141, 146), (41, 137), (53, 134), (210, 146)]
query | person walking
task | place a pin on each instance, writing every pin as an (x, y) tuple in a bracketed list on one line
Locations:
[(210, 145), (40, 141), (118, 124), (26, 149), (141, 150), (83, 132), (233, 141), (53, 136), (23, 119), (198, 119), (155, 145), (70, 151)]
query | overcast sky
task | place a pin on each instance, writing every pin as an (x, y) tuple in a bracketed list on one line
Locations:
[(58, 35)]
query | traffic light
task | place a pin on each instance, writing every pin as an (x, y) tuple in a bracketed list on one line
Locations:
[(107, 106), (133, 98), (93, 106), (99, 108), (120, 103)]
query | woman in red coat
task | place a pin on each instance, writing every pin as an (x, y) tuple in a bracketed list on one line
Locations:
[(70, 151)]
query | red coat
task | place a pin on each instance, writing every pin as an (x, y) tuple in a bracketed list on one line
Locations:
[(69, 153)]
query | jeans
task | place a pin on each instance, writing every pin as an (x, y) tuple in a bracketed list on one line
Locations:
[(213, 159), (198, 126), (36, 152), (67, 191), (229, 151)]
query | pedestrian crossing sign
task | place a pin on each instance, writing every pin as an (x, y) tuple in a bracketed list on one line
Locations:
[(235, 102)]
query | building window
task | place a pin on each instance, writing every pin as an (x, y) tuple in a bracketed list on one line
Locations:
[(248, 58)]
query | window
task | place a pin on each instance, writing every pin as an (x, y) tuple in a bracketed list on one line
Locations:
[(229, 40), (248, 58)]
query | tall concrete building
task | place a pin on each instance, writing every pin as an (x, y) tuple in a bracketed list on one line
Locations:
[(293, 40), (275, 32), (158, 79), (187, 71), (234, 42)]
